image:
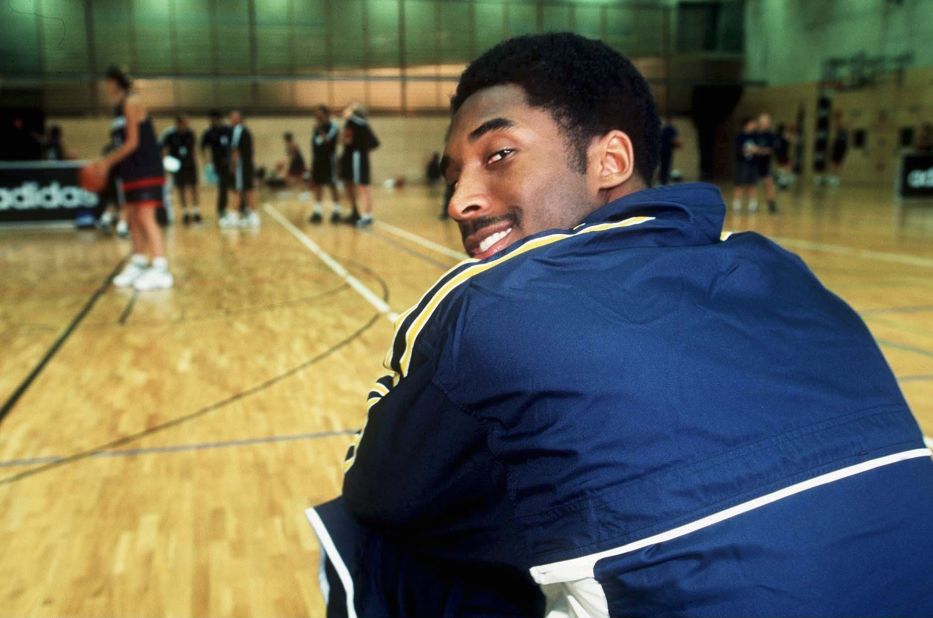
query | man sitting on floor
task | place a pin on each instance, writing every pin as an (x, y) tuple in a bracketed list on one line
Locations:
[(614, 409)]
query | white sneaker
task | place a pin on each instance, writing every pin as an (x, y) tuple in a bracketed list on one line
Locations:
[(130, 273), (154, 279), (123, 230), (251, 221), (230, 220)]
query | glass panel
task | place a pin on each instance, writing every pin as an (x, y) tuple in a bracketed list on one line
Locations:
[(274, 36), (649, 35), (556, 18), (152, 21), (194, 35), (347, 28), (19, 42), (621, 29), (420, 33), (588, 21), (309, 24), (64, 37), (232, 22), (489, 24), (455, 33), (521, 19), (112, 34), (382, 17)]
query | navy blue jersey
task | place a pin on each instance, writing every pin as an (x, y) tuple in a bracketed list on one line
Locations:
[(144, 163), (241, 141), (217, 138), (651, 418), (358, 135), (324, 141), (180, 144), (768, 141), (744, 146)]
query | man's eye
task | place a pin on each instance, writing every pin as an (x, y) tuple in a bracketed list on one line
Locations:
[(499, 155)]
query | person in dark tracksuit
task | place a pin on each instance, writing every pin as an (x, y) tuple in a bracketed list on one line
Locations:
[(179, 142), (217, 139), (324, 140), (358, 141), (614, 408)]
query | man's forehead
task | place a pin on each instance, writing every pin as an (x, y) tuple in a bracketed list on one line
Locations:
[(502, 101)]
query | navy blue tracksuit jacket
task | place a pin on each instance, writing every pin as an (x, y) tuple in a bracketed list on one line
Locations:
[(637, 417)]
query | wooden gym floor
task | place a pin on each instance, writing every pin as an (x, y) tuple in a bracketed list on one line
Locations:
[(159, 462)]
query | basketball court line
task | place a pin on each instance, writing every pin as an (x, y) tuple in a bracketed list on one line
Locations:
[(184, 448), (420, 240), (368, 295), (59, 342), (412, 252), (881, 256)]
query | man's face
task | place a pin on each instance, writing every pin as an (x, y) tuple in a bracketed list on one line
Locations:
[(764, 122), (512, 171), (235, 118)]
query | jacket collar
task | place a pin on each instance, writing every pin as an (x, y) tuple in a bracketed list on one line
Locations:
[(689, 213)]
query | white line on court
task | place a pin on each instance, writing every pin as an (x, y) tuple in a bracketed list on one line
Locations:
[(420, 240), (371, 297), (882, 256)]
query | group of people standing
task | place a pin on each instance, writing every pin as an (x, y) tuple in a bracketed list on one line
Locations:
[(352, 168), (231, 151), (138, 159)]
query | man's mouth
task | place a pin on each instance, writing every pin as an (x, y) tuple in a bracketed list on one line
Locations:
[(489, 240)]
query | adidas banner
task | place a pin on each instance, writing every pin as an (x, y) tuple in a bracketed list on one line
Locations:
[(42, 191), (916, 178)]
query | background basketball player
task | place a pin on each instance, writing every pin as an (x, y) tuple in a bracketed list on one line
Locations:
[(358, 141), (324, 164), (139, 168), (244, 172), (179, 142), (217, 139)]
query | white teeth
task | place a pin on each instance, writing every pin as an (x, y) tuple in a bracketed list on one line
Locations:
[(493, 239)]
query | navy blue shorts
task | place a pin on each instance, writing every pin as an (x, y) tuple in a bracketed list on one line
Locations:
[(144, 191)]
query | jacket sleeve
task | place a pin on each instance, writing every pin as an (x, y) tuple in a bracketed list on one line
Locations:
[(422, 473), (418, 455)]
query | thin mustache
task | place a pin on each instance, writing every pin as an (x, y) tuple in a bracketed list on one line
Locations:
[(468, 228)]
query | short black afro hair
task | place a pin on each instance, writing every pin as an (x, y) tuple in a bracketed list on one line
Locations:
[(589, 89)]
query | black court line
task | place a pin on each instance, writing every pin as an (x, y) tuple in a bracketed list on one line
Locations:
[(113, 444), (128, 309), (184, 448), (57, 344), (411, 251)]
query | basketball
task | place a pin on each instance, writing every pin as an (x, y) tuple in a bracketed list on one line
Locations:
[(93, 177)]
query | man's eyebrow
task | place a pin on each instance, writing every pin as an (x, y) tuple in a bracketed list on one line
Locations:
[(495, 124)]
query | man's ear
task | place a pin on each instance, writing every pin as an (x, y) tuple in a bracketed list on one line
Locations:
[(611, 161)]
